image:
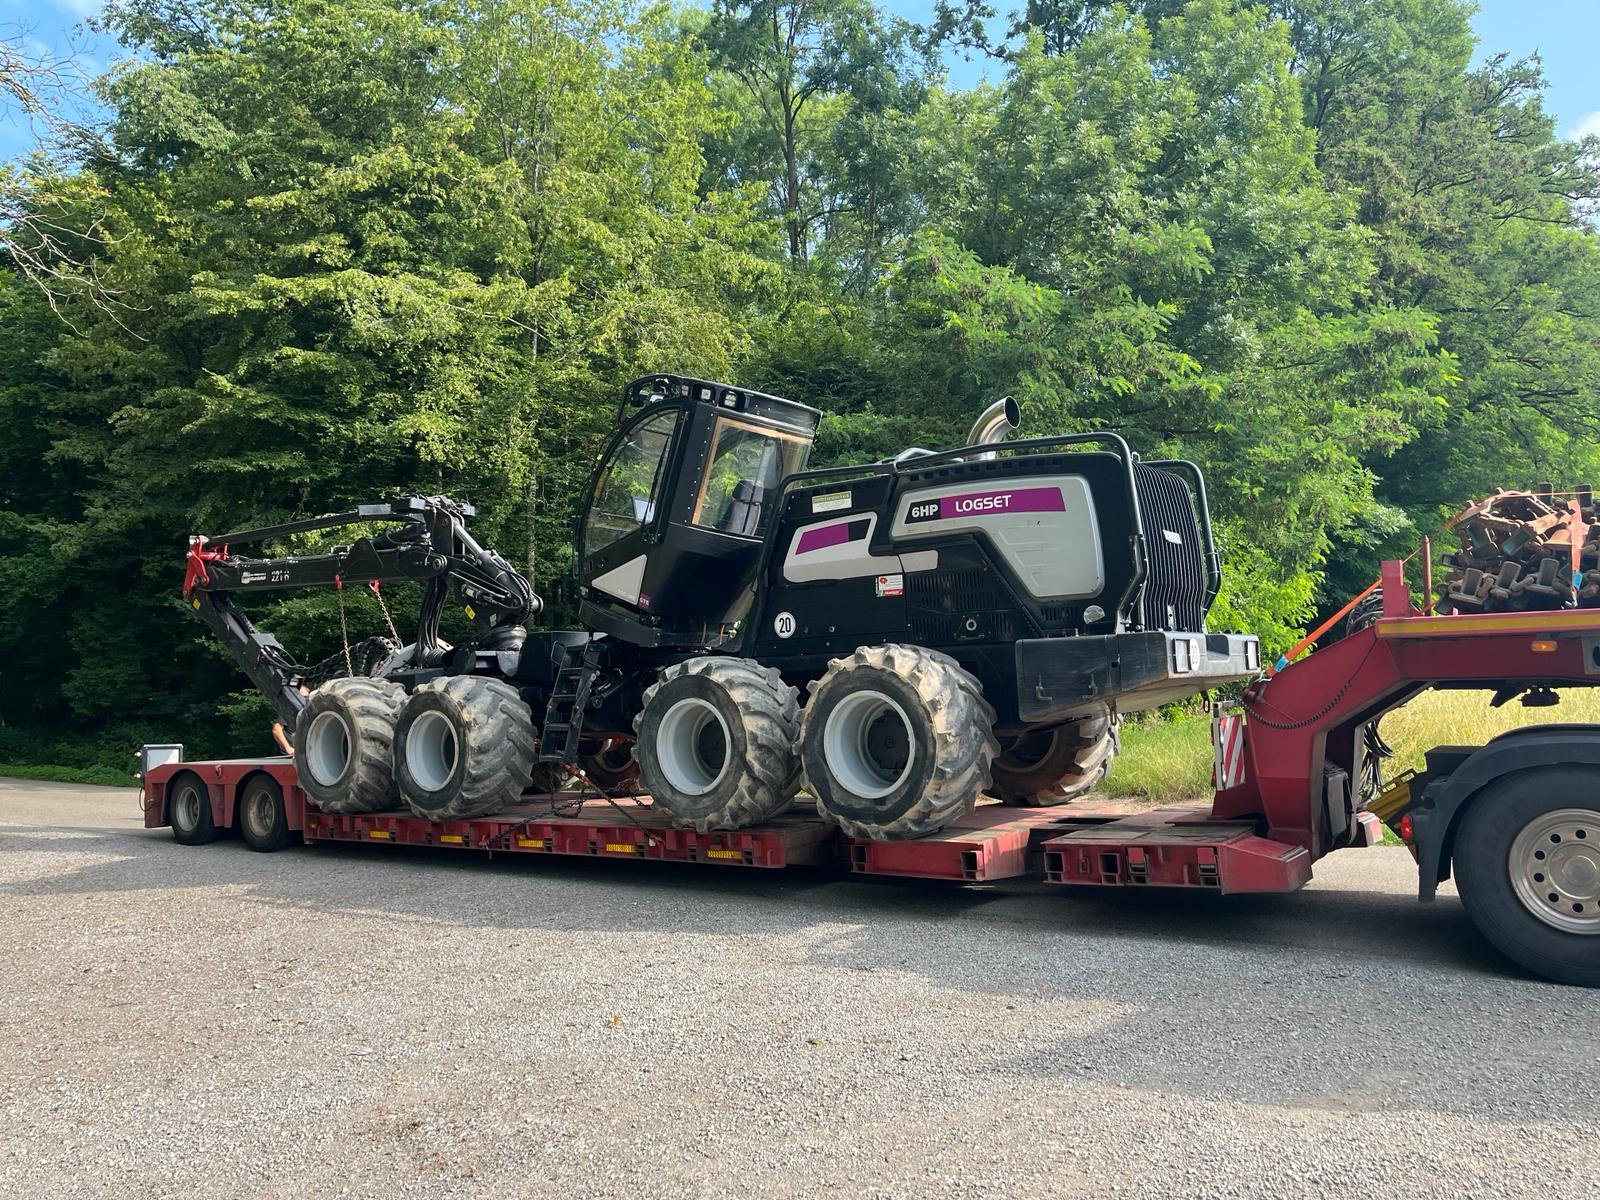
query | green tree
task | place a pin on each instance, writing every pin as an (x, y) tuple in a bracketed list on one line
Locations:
[(1475, 211), (361, 249), (818, 81)]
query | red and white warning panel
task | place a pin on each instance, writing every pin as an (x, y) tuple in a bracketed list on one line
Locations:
[(1227, 745)]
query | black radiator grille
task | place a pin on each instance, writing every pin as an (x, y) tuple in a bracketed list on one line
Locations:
[(961, 591), (958, 606), (1175, 588)]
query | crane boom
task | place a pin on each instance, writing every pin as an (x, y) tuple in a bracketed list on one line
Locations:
[(428, 543)]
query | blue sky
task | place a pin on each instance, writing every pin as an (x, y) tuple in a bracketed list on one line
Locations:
[(1565, 32)]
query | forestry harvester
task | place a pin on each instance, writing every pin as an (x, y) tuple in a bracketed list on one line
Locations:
[(965, 622)]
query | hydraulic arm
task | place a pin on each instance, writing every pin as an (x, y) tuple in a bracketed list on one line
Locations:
[(428, 543)]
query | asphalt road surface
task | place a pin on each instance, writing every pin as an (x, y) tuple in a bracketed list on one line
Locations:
[(363, 1021)]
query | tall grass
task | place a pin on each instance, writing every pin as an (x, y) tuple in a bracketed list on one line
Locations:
[(1166, 761)]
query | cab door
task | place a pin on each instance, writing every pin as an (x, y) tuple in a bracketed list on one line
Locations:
[(628, 499)]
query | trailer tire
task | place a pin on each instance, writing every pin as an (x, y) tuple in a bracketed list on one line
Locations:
[(464, 746), (260, 817), (189, 811), (716, 744), (611, 765), (343, 745), (897, 742), (1528, 832), (1045, 767)]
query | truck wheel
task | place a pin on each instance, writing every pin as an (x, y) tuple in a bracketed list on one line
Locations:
[(611, 765), (1527, 861), (189, 811), (343, 745), (263, 825), (716, 744), (897, 742), (464, 747), (1044, 767)]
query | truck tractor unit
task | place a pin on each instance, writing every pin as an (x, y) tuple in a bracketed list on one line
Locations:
[(898, 638)]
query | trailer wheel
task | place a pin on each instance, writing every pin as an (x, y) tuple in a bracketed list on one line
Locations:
[(1527, 860), (716, 745), (189, 811), (343, 745), (464, 747), (1045, 767), (610, 764), (263, 825), (897, 742)]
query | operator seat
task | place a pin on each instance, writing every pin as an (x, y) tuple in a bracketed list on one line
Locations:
[(743, 514)]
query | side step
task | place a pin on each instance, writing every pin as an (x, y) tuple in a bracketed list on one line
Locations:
[(563, 714), (1176, 847)]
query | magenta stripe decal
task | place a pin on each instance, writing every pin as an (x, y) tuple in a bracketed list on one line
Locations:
[(831, 535), (978, 504)]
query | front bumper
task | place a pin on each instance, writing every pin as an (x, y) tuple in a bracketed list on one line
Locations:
[(1058, 678)]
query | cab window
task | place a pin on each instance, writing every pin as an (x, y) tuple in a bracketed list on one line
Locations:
[(630, 486), (747, 464)]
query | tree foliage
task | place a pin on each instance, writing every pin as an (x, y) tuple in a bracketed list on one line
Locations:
[(352, 248)]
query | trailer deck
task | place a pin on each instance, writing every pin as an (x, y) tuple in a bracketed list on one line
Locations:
[(1178, 846)]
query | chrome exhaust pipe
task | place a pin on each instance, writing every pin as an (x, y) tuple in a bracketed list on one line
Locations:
[(994, 424)]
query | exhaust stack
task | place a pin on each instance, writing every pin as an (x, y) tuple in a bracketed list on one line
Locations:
[(994, 424)]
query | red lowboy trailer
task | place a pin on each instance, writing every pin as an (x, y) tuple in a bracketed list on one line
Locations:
[(1516, 821)]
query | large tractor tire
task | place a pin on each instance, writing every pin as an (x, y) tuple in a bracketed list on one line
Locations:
[(716, 745), (1045, 767), (343, 745), (464, 746), (1527, 865), (897, 742)]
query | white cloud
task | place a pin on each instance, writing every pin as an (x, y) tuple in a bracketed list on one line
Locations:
[(1585, 126)]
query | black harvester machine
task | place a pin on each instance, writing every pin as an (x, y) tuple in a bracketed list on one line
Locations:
[(964, 623)]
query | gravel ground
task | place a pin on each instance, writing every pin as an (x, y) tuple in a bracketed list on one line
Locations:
[(362, 1021)]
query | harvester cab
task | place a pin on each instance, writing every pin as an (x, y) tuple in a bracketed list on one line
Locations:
[(669, 540)]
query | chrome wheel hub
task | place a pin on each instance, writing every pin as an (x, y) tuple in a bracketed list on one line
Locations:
[(1555, 869)]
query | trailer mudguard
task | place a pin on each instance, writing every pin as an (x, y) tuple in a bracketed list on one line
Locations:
[(1437, 815)]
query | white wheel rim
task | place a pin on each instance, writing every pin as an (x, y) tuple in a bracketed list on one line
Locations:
[(693, 746), (431, 750), (328, 745), (854, 745), (1555, 869), (186, 807)]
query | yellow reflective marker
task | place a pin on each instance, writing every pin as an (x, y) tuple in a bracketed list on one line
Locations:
[(724, 853), (467, 608), (621, 848), (455, 839), (379, 833)]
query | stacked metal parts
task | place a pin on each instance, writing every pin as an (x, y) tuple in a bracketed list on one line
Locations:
[(1524, 550)]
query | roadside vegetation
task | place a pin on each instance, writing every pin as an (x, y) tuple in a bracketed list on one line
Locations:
[(1168, 759)]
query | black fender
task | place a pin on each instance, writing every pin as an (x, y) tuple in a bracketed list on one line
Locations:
[(1437, 815)]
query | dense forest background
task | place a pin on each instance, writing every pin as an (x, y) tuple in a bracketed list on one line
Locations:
[(323, 251)]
